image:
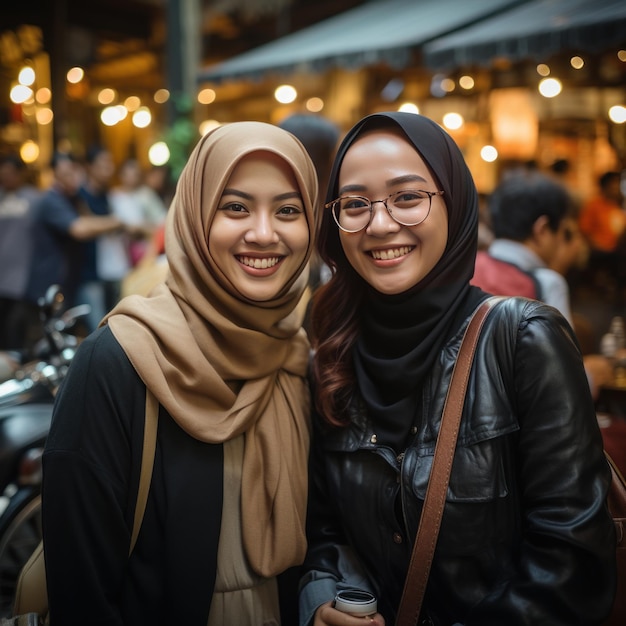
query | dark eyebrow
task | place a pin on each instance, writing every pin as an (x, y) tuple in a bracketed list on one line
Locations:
[(288, 195), (235, 192), (242, 194), (399, 180)]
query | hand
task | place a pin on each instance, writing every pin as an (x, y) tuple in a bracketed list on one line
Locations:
[(138, 231), (326, 615)]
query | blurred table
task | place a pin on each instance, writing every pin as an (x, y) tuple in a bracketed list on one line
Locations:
[(613, 431), (611, 413), (612, 400)]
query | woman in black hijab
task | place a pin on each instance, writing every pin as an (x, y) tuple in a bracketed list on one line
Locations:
[(526, 537)]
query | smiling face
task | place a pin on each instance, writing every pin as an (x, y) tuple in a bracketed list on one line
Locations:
[(390, 257), (259, 235)]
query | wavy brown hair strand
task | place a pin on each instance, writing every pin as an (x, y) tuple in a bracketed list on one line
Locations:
[(334, 318)]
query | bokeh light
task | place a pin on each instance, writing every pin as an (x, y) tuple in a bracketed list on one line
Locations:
[(44, 115), (159, 153), (409, 107), (29, 151), (285, 94), (550, 87), (142, 117), (107, 95), (26, 76), (206, 96), (453, 121), (161, 96), (488, 153), (75, 75), (315, 104), (617, 114)]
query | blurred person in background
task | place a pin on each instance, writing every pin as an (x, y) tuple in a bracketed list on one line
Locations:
[(603, 223), (536, 243), (141, 279), (159, 179), (16, 249), (561, 171), (320, 136), (61, 224), (141, 209), (96, 287), (138, 204)]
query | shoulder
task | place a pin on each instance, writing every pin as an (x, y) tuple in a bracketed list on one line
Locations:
[(521, 326), (518, 311), (52, 203), (101, 398), (102, 346)]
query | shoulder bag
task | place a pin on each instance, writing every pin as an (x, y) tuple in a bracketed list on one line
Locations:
[(31, 598)]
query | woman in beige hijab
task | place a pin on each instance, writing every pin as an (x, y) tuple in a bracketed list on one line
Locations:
[(220, 345)]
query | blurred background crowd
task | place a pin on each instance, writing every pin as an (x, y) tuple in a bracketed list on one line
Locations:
[(101, 103)]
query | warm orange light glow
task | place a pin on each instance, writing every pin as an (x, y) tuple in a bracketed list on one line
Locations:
[(161, 96), (29, 151), (107, 95), (206, 96), (43, 95), (44, 115), (315, 104), (514, 123), (75, 75)]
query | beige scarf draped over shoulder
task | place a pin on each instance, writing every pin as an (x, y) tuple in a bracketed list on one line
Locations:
[(222, 365)]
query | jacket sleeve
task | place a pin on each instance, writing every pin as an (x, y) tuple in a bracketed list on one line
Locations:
[(566, 569), (87, 472), (330, 564)]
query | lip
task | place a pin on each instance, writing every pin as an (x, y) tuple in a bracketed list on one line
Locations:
[(390, 255), (260, 264)]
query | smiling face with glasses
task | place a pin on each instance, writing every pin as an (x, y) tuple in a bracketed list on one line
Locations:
[(393, 222)]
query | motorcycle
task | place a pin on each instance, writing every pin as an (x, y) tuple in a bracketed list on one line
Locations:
[(26, 402)]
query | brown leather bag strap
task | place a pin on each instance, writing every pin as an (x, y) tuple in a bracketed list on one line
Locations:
[(435, 500)]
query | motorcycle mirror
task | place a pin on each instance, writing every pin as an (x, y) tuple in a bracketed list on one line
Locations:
[(52, 302), (71, 315)]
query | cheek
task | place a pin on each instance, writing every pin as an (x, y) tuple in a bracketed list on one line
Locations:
[(441, 230), (300, 240), (222, 234), (348, 245)]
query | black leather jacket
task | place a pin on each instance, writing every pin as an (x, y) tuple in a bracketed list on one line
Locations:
[(526, 537)]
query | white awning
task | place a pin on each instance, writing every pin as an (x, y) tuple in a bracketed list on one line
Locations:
[(379, 31), (535, 29)]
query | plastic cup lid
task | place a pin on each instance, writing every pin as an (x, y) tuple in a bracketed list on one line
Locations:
[(356, 602)]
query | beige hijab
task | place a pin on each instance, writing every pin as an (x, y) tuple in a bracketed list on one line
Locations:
[(223, 365)]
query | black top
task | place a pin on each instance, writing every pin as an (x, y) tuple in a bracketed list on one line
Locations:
[(91, 473)]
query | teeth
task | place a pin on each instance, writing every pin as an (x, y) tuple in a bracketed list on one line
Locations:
[(259, 264), (394, 253)]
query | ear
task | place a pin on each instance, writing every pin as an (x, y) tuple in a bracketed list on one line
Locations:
[(541, 227)]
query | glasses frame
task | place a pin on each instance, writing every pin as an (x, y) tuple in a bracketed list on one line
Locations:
[(334, 203)]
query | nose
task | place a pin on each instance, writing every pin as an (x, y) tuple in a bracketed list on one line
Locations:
[(381, 222), (262, 231)]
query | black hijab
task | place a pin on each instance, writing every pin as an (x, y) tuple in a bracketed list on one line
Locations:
[(401, 335)]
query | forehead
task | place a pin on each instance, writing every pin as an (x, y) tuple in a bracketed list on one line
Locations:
[(384, 152), (262, 163)]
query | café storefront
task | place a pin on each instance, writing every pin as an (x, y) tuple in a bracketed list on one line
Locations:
[(536, 80)]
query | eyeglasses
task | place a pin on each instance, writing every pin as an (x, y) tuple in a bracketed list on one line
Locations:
[(409, 207)]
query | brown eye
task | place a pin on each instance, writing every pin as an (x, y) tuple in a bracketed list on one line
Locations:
[(290, 210), (234, 207)]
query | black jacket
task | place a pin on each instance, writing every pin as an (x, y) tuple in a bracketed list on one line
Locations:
[(526, 537)]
